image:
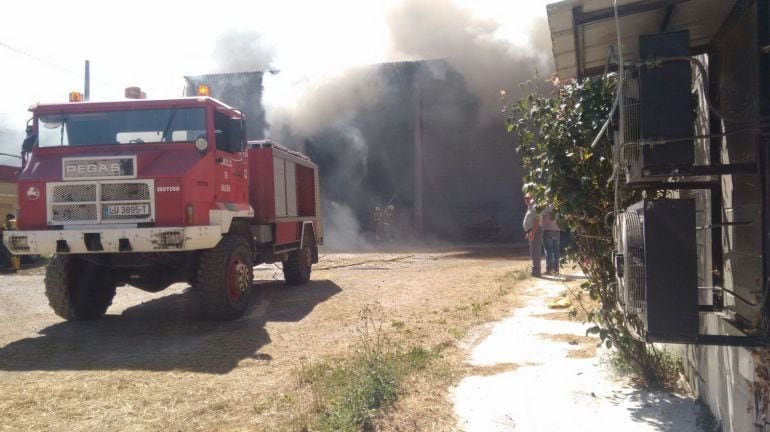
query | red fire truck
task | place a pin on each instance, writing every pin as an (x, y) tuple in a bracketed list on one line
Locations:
[(154, 192)]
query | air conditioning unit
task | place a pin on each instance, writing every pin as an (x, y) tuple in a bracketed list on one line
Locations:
[(656, 268), (655, 139)]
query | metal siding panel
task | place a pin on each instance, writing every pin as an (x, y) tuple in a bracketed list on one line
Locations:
[(291, 189), (279, 184), (261, 184), (287, 232), (319, 226)]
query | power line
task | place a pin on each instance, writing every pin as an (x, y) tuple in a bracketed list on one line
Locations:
[(49, 63)]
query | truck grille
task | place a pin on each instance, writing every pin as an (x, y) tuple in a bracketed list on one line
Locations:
[(104, 201)]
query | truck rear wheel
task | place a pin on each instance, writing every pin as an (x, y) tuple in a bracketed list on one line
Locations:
[(296, 269), (76, 289), (225, 277)]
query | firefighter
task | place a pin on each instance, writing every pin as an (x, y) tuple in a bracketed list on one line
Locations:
[(10, 262)]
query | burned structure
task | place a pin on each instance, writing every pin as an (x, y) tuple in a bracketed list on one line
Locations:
[(419, 143), (693, 107)]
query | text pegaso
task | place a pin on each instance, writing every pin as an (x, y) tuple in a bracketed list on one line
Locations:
[(92, 168)]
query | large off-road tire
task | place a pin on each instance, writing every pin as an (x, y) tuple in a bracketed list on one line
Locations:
[(225, 278), (77, 289), (296, 269)]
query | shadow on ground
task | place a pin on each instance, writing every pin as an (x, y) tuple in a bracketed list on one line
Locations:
[(669, 412), (493, 252), (167, 333)]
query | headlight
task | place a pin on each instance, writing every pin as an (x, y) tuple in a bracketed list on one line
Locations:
[(201, 144)]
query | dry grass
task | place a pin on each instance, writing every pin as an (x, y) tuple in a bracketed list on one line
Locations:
[(155, 366), (585, 346)]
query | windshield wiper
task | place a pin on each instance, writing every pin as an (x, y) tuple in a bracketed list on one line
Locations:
[(63, 125), (166, 130)]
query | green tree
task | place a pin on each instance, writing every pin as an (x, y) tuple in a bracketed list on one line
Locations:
[(556, 134)]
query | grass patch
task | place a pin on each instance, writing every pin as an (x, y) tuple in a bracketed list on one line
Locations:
[(662, 372), (348, 394), (517, 275)]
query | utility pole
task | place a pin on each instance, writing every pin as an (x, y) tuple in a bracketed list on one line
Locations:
[(87, 85), (418, 159)]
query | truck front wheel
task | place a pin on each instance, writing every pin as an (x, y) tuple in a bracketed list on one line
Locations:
[(225, 277), (77, 289), (296, 269)]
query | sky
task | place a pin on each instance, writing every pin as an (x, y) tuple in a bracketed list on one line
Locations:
[(154, 44)]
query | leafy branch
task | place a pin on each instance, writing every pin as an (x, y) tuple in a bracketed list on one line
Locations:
[(554, 134)]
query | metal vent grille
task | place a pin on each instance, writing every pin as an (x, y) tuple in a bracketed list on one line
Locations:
[(73, 212), (94, 202), (125, 191), (629, 150), (74, 193), (628, 232), (632, 107), (169, 240), (18, 243)]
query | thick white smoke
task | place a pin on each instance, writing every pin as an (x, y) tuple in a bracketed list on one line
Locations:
[(11, 137), (243, 51), (346, 112), (426, 29)]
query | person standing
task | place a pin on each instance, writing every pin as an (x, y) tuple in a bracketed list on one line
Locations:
[(533, 233), (551, 235)]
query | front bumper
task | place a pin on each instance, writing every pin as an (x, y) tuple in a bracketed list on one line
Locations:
[(124, 240)]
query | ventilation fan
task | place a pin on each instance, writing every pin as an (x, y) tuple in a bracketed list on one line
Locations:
[(656, 267), (629, 262), (655, 138)]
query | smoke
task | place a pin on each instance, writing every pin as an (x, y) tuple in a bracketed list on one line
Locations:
[(11, 137), (425, 29), (439, 94), (308, 104), (240, 51), (342, 232)]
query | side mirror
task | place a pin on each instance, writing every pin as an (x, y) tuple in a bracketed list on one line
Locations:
[(236, 135)]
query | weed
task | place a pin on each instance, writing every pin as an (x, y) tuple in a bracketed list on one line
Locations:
[(517, 275), (476, 309), (397, 324), (347, 394), (662, 370), (456, 333)]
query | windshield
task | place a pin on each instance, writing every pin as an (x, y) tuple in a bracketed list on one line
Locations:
[(122, 127)]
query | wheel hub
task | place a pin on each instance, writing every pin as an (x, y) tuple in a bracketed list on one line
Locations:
[(239, 279)]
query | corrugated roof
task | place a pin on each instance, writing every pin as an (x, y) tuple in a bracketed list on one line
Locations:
[(583, 30)]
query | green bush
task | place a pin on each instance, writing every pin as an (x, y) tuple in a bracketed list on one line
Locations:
[(556, 135)]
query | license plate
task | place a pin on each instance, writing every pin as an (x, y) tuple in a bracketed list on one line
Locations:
[(127, 210)]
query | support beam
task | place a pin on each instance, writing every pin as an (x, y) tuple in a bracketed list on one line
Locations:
[(623, 10), (578, 38), (667, 12), (763, 154)]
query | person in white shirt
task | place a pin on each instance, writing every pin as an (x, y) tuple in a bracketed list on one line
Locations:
[(551, 234), (533, 233)]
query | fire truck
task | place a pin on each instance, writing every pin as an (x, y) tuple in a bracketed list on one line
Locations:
[(154, 192)]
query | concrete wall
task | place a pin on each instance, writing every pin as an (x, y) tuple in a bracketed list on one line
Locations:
[(722, 376)]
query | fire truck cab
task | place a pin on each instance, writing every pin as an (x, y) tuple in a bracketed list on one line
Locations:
[(154, 192)]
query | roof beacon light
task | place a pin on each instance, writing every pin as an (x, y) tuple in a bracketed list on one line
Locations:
[(203, 90), (76, 97)]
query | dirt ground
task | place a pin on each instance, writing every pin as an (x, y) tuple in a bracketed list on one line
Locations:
[(153, 364)]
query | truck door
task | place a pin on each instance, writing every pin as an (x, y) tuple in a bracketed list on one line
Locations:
[(232, 175)]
